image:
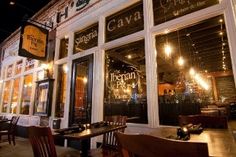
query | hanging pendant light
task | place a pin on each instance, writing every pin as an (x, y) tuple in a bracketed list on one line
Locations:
[(167, 50), (181, 61)]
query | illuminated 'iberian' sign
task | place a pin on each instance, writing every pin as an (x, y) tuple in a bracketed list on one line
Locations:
[(33, 42)]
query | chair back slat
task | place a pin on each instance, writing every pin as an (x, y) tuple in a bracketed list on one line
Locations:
[(109, 139), (150, 146), (42, 141)]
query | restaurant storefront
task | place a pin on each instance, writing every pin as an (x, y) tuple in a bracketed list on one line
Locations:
[(148, 60)]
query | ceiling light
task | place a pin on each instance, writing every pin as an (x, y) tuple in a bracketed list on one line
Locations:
[(12, 3), (85, 80), (221, 20), (129, 56), (221, 33), (181, 61), (168, 50), (192, 71)]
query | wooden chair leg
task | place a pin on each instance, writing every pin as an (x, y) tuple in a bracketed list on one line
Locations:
[(9, 138), (13, 140)]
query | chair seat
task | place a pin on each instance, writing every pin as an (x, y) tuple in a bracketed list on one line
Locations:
[(3, 132), (67, 152), (104, 152)]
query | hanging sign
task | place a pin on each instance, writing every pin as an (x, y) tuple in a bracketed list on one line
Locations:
[(33, 42)]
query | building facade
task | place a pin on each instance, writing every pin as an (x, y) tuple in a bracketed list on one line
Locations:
[(150, 60)]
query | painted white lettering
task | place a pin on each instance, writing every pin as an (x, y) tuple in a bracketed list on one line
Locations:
[(128, 19), (113, 24), (109, 25), (137, 16), (120, 23)]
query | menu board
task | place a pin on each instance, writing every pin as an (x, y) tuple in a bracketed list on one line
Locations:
[(125, 22), (165, 10)]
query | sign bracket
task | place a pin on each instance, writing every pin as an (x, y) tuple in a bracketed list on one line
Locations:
[(41, 24)]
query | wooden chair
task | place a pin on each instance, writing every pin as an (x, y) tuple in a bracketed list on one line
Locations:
[(150, 146), (42, 143), (109, 144), (11, 131)]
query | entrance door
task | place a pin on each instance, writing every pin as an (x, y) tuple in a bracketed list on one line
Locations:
[(81, 90)]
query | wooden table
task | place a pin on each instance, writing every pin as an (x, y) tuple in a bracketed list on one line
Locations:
[(221, 142), (4, 120), (88, 133)]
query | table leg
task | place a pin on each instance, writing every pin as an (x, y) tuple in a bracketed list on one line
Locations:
[(85, 146)]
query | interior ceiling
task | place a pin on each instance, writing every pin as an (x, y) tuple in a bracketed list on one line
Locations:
[(11, 15), (201, 45)]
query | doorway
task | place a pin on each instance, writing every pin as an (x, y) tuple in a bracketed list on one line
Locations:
[(81, 91)]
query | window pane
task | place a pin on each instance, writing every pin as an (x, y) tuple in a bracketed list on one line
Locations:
[(18, 67), (9, 70), (41, 75), (125, 83), (15, 95), (86, 38), (194, 71), (27, 90), (4, 72), (29, 64), (63, 48), (165, 10), (6, 95), (81, 113), (125, 22), (61, 90)]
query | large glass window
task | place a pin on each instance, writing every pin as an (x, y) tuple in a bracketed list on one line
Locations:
[(29, 64), (18, 67), (125, 82), (125, 22), (16, 90), (86, 38), (194, 71), (6, 95), (9, 70), (61, 90), (165, 10), (26, 94)]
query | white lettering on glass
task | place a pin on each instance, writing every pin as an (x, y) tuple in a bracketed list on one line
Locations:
[(113, 24)]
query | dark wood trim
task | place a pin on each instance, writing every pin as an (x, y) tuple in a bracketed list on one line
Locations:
[(88, 58)]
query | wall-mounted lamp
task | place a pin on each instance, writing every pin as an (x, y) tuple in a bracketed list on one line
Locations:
[(46, 68)]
